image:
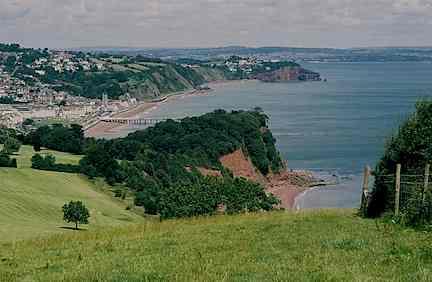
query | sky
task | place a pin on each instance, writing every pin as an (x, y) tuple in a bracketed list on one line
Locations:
[(215, 23)]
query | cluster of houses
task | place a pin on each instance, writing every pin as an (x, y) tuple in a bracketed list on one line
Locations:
[(64, 61), (10, 86), (235, 64), (40, 102)]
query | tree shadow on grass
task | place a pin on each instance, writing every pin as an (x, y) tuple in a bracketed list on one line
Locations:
[(73, 228)]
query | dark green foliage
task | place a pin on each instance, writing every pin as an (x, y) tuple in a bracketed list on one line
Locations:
[(147, 193), (49, 163), (7, 100), (6, 161), (87, 84), (206, 138), (8, 137), (99, 163), (76, 212), (6, 133), (242, 195), (411, 147), (13, 47), (10, 63), (418, 213), (272, 154), (204, 195), (11, 145), (160, 164), (58, 137), (28, 121)]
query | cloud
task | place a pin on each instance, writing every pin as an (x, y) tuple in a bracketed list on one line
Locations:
[(174, 23), (12, 10)]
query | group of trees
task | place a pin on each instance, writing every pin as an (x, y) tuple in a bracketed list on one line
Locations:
[(167, 77), (7, 100), (203, 140), (9, 146), (159, 164), (6, 160), (88, 84), (154, 164), (411, 146), (48, 162), (58, 137)]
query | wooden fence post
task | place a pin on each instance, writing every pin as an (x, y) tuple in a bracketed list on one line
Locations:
[(397, 196), (365, 189), (426, 181)]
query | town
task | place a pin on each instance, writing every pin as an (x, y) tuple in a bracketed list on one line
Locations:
[(25, 95), (50, 86)]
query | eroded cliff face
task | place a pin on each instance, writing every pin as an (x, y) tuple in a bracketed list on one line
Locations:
[(288, 74), (286, 185), (241, 166)]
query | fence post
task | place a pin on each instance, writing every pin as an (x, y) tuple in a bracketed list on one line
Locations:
[(426, 181), (397, 196), (365, 189)]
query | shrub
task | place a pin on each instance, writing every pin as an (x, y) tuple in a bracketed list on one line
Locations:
[(49, 163), (411, 146), (6, 161)]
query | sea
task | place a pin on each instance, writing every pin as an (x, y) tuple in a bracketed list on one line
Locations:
[(334, 127)]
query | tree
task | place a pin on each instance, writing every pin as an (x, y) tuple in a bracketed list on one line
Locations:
[(11, 145), (76, 212), (410, 146), (6, 161), (98, 162), (28, 121)]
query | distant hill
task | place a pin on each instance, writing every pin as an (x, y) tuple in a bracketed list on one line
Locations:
[(373, 54)]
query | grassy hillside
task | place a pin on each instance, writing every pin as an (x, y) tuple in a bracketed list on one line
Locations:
[(31, 200), (313, 246), (26, 153)]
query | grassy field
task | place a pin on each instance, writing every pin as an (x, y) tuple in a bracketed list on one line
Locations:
[(332, 245), (26, 153), (31, 200), (281, 246)]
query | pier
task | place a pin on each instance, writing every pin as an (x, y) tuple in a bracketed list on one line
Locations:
[(134, 121)]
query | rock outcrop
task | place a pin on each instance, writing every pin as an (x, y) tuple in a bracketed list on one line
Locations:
[(289, 74)]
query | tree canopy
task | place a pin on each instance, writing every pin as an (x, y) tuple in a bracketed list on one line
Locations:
[(159, 164), (76, 212), (411, 146)]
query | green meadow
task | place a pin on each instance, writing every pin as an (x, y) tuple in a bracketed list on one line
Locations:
[(280, 246), (119, 245), (31, 200)]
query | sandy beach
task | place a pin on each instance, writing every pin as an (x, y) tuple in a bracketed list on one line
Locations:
[(101, 128), (289, 185)]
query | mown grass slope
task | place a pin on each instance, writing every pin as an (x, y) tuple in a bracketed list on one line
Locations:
[(279, 246), (31, 200), (26, 153)]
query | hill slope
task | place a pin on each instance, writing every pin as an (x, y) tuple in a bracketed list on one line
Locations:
[(31, 200), (314, 246)]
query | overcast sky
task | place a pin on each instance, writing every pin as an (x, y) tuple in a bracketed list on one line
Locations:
[(211, 23)]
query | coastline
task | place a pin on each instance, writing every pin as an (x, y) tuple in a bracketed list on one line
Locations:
[(100, 128), (289, 185)]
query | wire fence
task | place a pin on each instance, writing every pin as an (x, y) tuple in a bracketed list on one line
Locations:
[(407, 187)]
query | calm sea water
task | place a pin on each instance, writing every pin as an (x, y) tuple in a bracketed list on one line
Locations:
[(335, 127)]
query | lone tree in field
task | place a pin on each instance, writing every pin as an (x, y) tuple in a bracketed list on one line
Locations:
[(76, 212)]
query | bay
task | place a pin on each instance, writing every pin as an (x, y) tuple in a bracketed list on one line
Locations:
[(334, 128)]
